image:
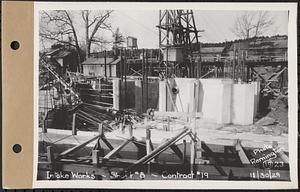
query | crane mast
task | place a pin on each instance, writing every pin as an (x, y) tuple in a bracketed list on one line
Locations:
[(178, 40)]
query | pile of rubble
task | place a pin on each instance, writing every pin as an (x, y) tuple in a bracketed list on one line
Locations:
[(276, 121)]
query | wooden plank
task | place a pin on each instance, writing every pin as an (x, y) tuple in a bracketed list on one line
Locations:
[(160, 149), (184, 152), (212, 137), (100, 128), (50, 156), (95, 157), (88, 115), (280, 153), (87, 119), (213, 159), (177, 151), (96, 106), (44, 127), (117, 149), (148, 147), (101, 114), (76, 148), (107, 143), (176, 114), (74, 131), (241, 153)]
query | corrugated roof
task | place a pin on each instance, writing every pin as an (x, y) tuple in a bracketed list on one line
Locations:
[(97, 61)]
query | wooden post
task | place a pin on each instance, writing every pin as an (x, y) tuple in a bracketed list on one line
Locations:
[(138, 96), (100, 128), (234, 61), (148, 147), (146, 77), (95, 157), (184, 151), (243, 66), (110, 72), (44, 128), (105, 72), (193, 143), (130, 130), (226, 154), (198, 149), (248, 74), (193, 150), (121, 126), (146, 121), (121, 66), (125, 78), (50, 156), (74, 131), (143, 81), (168, 129), (116, 93)]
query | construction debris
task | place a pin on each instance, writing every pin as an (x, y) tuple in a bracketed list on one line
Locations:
[(279, 110), (103, 118), (265, 121)]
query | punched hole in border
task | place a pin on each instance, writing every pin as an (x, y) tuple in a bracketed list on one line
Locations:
[(15, 45), (17, 148)]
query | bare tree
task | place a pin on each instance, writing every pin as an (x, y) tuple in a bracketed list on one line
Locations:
[(59, 26), (94, 20), (252, 24)]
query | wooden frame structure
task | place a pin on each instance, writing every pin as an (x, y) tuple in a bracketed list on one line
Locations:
[(232, 164)]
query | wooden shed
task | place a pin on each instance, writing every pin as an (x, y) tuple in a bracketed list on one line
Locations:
[(101, 67)]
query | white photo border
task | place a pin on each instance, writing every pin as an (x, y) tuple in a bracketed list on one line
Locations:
[(181, 184)]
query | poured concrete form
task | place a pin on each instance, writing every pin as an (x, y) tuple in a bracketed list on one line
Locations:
[(220, 100), (135, 94)]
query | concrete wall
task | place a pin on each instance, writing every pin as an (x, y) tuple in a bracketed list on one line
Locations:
[(146, 96), (219, 100), (211, 98), (139, 96), (243, 104), (128, 100)]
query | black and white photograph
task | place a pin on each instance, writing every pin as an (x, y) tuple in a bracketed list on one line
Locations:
[(162, 94)]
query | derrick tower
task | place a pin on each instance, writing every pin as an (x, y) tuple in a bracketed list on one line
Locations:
[(178, 40)]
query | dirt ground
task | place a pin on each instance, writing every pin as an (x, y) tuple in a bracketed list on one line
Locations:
[(275, 121)]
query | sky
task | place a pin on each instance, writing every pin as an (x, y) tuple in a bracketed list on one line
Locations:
[(217, 25)]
